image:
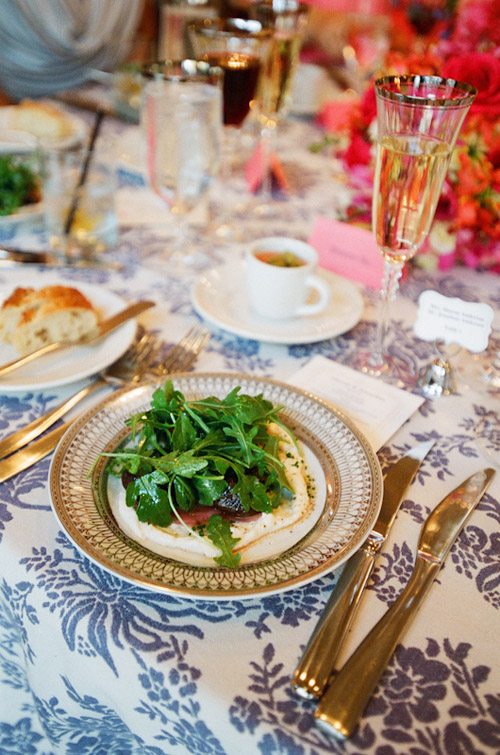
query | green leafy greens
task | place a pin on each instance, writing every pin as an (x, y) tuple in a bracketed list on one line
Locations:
[(18, 184), (184, 452)]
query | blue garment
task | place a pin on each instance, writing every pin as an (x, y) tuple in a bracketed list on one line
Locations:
[(50, 45)]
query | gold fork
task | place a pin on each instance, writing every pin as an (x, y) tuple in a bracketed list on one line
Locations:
[(181, 356), (129, 368)]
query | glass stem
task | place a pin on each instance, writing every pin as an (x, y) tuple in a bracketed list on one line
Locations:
[(267, 146), (390, 284)]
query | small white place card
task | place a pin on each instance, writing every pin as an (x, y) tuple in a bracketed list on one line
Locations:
[(377, 408), (453, 320)]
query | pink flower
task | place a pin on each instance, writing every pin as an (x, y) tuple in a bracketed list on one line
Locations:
[(476, 251), (448, 203), (482, 70), (477, 26), (358, 151), (368, 106), (337, 116)]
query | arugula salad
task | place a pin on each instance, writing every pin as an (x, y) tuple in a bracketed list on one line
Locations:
[(185, 456), (18, 184)]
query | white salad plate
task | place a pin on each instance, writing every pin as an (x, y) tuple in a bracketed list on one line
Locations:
[(75, 362), (345, 471), (26, 213), (220, 297), (19, 143)]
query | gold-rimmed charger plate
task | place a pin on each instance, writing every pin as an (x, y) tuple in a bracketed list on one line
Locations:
[(352, 481)]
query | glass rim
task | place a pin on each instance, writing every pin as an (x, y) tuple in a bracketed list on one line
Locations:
[(187, 69), (284, 7), (241, 27), (466, 91)]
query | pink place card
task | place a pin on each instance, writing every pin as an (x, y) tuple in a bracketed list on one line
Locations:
[(348, 251)]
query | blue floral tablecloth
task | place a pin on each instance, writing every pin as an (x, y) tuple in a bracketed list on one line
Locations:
[(92, 664)]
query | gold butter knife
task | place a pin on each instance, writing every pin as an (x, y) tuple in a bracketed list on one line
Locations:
[(318, 661), (102, 329), (345, 699)]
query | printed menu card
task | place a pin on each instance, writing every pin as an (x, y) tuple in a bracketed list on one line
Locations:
[(377, 408)]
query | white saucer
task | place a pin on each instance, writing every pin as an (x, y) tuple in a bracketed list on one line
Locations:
[(220, 297)]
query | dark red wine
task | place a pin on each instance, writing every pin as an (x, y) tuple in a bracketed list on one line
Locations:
[(241, 73)]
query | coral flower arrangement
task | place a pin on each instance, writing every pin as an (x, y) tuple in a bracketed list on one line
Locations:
[(461, 42)]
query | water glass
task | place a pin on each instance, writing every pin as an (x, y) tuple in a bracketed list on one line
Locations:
[(182, 122), (80, 221)]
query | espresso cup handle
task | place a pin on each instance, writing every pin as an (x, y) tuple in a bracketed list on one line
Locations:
[(324, 292)]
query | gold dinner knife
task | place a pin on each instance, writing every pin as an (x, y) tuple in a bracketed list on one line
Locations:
[(28, 456), (345, 699), (12, 257), (102, 329), (318, 661)]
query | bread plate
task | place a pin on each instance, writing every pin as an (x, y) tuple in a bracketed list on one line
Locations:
[(75, 127), (74, 364)]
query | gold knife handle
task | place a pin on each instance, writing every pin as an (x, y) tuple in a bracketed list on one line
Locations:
[(345, 699), (318, 661), (47, 349), (28, 433), (28, 456)]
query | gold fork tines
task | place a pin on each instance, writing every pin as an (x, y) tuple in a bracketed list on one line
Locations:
[(183, 354), (133, 365), (129, 368)]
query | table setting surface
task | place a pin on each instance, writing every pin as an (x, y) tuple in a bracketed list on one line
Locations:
[(96, 657)]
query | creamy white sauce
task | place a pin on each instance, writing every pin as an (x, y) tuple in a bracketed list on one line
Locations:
[(260, 538)]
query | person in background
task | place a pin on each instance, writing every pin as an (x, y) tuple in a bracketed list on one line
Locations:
[(50, 45)]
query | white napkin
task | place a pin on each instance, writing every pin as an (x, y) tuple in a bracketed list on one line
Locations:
[(377, 408)]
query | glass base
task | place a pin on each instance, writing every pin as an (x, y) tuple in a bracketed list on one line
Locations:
[(226, 232), (372, 363), (491, 375), (266, 208)]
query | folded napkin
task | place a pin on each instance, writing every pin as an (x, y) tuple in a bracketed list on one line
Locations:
[(377, 408)]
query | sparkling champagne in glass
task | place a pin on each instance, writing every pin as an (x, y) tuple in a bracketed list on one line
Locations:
[(286, 19), (418, 121)]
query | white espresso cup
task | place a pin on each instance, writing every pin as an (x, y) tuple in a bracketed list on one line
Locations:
[(281, 292)]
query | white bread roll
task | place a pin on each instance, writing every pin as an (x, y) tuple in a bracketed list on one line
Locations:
[(45, 121), (31, 318)]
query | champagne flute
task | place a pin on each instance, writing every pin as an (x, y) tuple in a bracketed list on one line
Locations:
[(182, 120), (286, 19), (418, 120), (237, 46)]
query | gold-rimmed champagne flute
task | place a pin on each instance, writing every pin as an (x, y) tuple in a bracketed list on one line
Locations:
[(286, 19), (418, 121)]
